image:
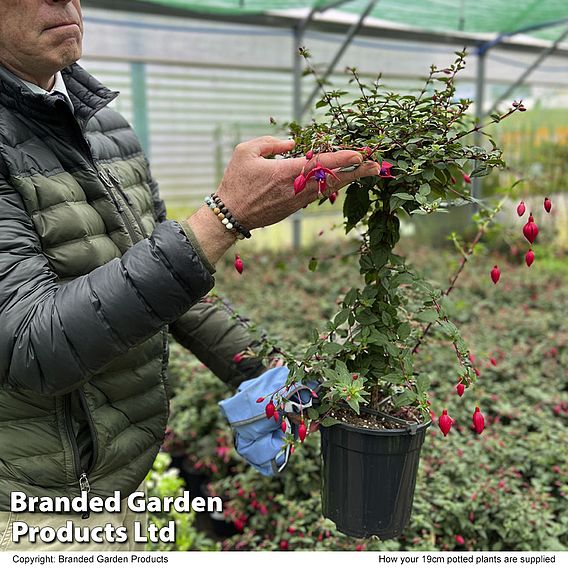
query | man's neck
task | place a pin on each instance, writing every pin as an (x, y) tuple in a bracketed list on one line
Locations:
[(46, 83)]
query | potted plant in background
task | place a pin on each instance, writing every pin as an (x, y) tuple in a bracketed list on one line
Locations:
[(373, 407)]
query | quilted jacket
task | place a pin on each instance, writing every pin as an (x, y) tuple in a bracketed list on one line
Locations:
[(91, 276)]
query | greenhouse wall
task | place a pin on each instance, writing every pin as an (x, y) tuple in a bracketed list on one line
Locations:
[(202, 86)]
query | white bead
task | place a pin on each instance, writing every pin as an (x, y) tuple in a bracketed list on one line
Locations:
[(225, 221), (229, 225)]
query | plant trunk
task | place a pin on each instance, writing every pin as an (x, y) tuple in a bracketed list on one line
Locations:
[(375, 397)]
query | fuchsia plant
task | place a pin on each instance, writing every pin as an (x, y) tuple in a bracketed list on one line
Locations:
[(365, 357)]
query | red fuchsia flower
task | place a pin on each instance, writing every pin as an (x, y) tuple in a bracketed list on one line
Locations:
[(495, 274), (472, 358), (529, 257), (445, 422), (493, 361), (460, 540), (283, 426), (333, 197), (477, 372), (276, 416), (460, 388), (386, 170), (309, 155), (239, 266), (270, 410), (302, 431), (237, 358), (320, 174), (466, 178), (260, 399), (547, 205), (299, 184), (521, 209), (283, 544), (530, 230), (478, 420)]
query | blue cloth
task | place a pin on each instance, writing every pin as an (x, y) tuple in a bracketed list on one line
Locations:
[(260, 440)]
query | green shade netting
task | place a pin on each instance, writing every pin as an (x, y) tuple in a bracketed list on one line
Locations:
[(494, 16)]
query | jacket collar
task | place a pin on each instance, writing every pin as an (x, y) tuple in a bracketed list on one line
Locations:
[(87, 94)]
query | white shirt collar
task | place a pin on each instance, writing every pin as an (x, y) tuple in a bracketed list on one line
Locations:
[(58, 86)]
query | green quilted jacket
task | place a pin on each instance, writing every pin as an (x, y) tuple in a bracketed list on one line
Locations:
[(92, 276)]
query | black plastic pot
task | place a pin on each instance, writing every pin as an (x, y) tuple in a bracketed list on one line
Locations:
[(368, 478)]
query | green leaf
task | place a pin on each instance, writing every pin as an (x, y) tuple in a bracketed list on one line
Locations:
[(354, 404), (313, 414), (356, 204), (331, 348), (313, 264), (329, 421), (366, 317), (404, 196), (404, 398), (396, 378), (341, 317), (427, 316)]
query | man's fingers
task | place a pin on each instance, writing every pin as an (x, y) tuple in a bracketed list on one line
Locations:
[(266, 146), (364, 170), (339, 159)]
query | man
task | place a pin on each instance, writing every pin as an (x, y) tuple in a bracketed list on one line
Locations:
[(92, 273)]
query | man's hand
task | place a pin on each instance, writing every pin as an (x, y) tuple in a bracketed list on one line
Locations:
[(260, 192)]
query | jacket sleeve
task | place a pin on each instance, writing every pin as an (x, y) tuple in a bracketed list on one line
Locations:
[(211, 332), (215, 335), (54, 337)]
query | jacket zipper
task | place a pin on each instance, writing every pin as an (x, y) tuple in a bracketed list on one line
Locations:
[(81, 475), (110, 188), (127, 200)]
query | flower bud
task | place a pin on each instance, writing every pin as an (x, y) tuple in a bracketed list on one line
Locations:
[(299, 184), (530, 230), (466, 178), (302, 431), (547, 205), (460, 388), (495, 274), (521, 209), (239, 266), (260, 399), (445, 422), (276, 416), (460, 540), (478, 420), (270, 410), (333, 197), (283, 426), (237, 358), (309, 155), (529, 257)]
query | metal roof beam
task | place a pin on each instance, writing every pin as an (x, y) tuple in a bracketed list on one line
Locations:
[(548, 51), (346, 43)]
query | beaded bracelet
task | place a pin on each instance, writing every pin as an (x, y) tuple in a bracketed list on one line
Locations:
[(218, 207)]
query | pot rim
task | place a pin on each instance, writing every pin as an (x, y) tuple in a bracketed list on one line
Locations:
[(411, 429)]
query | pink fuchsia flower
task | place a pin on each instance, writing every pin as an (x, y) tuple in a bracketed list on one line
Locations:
[(239, 266), (495, 274), (445, 422), (386, 170), (529, 257), (460, 540), (319, 173), (466, 178), (530, 230), (478, 420), (299, 184), (237, 357)]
